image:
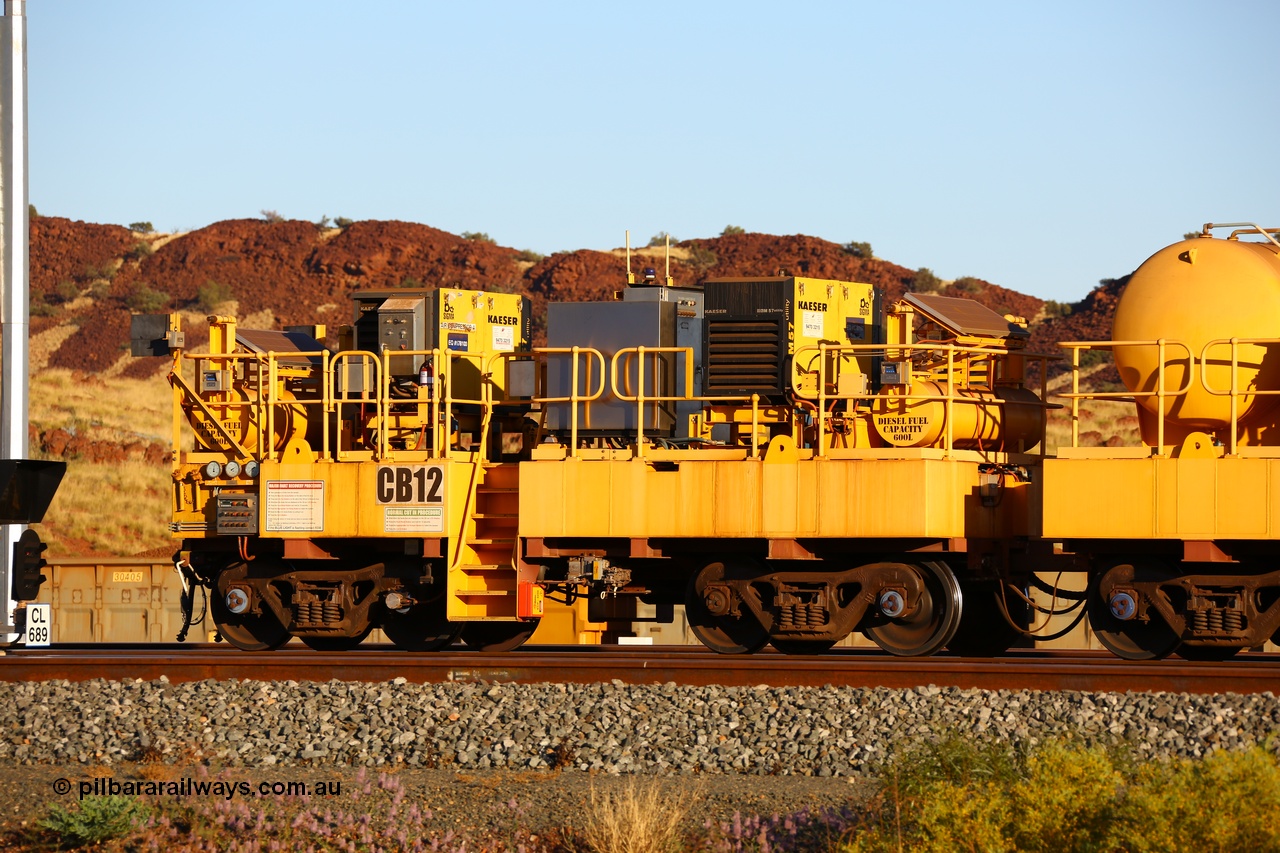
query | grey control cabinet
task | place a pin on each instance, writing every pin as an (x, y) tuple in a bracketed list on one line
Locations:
[(609, 327), (688, 302)]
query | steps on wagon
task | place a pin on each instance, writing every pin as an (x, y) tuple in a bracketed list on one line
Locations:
[(482, 577)]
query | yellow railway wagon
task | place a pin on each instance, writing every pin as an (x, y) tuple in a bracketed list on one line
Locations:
[(799, 463), (1181, 531)]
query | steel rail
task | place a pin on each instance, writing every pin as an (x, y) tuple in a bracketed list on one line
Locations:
[(1029, 670)]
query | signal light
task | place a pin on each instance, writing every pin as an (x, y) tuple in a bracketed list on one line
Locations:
[(28, 560), (27, 487)]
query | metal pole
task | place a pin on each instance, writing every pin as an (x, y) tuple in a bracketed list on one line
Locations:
[(14, 258)]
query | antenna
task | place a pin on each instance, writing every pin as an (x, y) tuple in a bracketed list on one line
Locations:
[(670, 280), (631, 277)]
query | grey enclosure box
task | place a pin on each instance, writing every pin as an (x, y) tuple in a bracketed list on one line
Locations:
[(396, 319), (895, 373), (149, 335), (215, 380), (689, 320), (522, 378), (610, 327), (402, 326)]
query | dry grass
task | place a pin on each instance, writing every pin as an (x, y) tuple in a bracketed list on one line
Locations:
[(117, 509), (1108, 418), (113, 509), (643, 817), (103, 408)]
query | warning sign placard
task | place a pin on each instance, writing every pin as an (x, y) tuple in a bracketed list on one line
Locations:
[(293, 505), (425, 519)]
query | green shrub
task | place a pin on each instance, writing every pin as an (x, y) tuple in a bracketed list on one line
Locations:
[(65, 291), (31, 212), (342, 222), (142, 227), (98, 819), (100, 289), (1053, 308), (924, 281), (211, 294), (660, 239), (1094, 357), (40, 307), (144, 300), (271, 216), (730, 230), (529, 256), (322, 223), (411, 282), (478, 236), (107, 270), (958, 795), (859, 250), (1191, 235), (968, 284), (701, 258), (141, 249)]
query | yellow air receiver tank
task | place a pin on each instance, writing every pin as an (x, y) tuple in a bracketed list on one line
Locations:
[(1192, 293)]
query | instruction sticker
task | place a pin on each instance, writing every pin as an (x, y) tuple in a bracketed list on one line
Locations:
[(457, 342), (293, 505), (812, 322), (504, 338), (427, 519)]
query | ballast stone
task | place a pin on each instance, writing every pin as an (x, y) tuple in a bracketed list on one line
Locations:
[(613, 728)]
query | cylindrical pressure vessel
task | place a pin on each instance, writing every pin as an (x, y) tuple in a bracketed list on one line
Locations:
[(1190, 294)]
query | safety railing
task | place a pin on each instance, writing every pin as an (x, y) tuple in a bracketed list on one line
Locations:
[(253, 383), (261, 397), (1160, 392), (961, 365), (342, 388), (1235, 392), (578, 356), (641, 398)]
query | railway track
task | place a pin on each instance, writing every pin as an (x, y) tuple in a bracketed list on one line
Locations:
[(1029, 670)]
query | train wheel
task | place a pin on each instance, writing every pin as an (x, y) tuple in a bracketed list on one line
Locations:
[(725, 634), (984, 631), (802, 647), (336, 644), (424, 628), (934, 621), (1129, 639), (250, 632), (497, 636)]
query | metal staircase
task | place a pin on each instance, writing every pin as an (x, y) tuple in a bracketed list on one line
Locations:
[(482, 571)]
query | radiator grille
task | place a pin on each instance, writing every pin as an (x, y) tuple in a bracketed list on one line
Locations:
[(743, 355)]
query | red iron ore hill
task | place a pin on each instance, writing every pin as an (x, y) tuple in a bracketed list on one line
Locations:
[(89, 275)]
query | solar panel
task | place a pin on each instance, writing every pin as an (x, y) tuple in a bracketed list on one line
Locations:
[(965, 317), (268, 340)]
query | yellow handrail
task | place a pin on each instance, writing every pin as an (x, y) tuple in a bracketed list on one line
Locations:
[(901, 351), (1161, 393)]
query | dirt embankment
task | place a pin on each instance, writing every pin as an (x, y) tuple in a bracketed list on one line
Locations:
[(292, 272)]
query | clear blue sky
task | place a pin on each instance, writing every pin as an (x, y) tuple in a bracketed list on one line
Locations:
[(1042, 146)]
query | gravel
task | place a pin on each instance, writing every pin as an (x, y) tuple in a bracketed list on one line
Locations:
[(606, 729)]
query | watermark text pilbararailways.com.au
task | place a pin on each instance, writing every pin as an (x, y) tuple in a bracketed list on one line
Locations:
[(188, 787)]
